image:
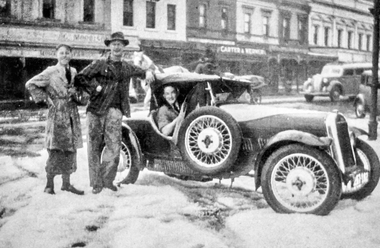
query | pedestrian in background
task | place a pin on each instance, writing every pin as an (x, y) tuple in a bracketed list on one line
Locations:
[(63, 130), (107, 81)]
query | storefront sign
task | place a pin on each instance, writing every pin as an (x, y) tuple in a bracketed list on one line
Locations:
[(241, 50), (50, 36)]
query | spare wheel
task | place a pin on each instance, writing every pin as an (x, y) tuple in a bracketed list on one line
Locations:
[(209, 140)]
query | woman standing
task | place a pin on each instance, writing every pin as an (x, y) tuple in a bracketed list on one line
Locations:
[(63, 130)]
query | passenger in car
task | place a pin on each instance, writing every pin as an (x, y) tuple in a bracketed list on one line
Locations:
[(167, 115)]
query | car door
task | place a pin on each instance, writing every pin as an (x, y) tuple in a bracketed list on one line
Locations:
[(348, 81)]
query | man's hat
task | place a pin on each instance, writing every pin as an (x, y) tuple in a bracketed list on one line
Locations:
[(116, 36)]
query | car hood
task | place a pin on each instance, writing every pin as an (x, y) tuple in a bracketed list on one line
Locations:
[(260, 120)]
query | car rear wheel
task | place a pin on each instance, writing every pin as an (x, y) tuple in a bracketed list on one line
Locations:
[(309, 98), (209, 140), (368, 159), (127, 171), (359, 109), (335, 94), (301, 179)]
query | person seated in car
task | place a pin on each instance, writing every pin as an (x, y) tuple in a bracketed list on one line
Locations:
[(167, 115)]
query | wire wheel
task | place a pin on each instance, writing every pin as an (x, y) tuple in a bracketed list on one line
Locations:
[(300, 182), (209, 141)]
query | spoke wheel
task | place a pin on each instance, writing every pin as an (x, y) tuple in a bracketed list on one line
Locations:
[(209, 140), (367, 158), (300, 179), (127, 171)]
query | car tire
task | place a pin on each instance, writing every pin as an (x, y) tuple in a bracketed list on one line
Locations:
[(209, 140), (335, 94), (359, 109), (127, 170), (309, 98), (301, 179), (370, 161)]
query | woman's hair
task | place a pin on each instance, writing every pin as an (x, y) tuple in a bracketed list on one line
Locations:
[(63, 45)]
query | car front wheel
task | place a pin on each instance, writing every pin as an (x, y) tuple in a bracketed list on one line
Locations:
[(309, 98), (364, 184), (301, 179), (209, 140), (127, 171), (335, 94)]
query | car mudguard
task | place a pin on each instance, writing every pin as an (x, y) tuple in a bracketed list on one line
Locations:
[(335, 83), (128, 133), (359, 97), (357, 131), (283, 138)]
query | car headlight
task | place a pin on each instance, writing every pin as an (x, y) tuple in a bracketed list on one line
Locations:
[(324, 80)]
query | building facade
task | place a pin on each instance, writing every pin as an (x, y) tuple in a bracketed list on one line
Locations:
[(31, 29), (342, 28)]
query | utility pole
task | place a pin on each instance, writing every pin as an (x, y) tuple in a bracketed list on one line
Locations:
[(372, 124)]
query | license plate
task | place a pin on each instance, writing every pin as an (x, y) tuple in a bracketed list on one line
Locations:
[(360, 179)]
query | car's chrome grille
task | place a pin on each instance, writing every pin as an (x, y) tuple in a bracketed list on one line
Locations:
[(342, 151)]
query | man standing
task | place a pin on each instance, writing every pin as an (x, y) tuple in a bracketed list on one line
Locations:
[(107, 81)]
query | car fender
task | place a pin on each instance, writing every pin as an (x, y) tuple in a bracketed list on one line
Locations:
[(283, 138), (359, 97), (335, 83), (357, 131), (128, 133)]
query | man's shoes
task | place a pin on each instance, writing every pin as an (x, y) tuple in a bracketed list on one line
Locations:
[(49, 191), (72, 189), (111, 187), (97, 190)]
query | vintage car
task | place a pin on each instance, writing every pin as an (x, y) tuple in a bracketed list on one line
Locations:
[(363, 100), (304, 161), (335, 80)]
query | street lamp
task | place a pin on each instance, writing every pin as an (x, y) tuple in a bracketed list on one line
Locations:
[(372, 124)]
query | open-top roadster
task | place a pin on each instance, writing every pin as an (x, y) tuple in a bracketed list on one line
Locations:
[(304, 161)]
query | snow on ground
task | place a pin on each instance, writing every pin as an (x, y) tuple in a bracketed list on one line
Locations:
[(159, 211)]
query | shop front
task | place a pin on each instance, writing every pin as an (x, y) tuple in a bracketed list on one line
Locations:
[(25, 52)]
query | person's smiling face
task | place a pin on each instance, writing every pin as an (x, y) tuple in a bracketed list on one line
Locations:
[(170, 94), (116, 49), (63, 55)]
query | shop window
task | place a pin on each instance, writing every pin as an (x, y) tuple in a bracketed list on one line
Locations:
[(360, 41), (368, 45), (128, 13), (48, 8), (171, 16), (340, 37), (302, 29), (315, 34), (286, 28), (202, 15), (5, 8), (350, 35), (224, 19), (247, 23), (88, 11), (327, 36), (151, 14)]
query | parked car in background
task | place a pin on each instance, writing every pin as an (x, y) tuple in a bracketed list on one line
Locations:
[(335, 80), (304, 161), (363, 100)]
